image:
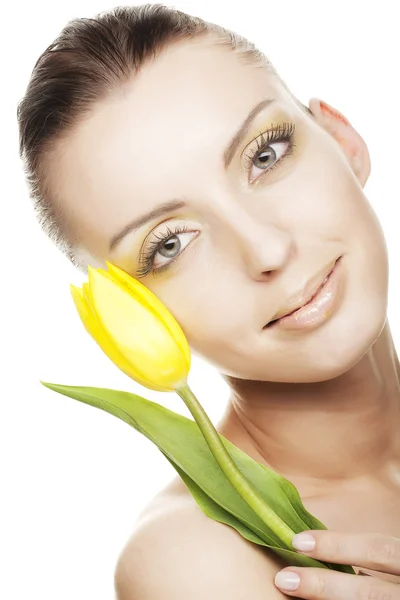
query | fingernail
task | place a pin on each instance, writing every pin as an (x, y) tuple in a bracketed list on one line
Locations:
[(287, 580), (303, 541)]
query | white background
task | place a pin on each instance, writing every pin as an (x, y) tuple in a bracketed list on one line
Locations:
[(74, 478)]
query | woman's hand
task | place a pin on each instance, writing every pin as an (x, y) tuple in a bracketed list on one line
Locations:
[(366, 550)]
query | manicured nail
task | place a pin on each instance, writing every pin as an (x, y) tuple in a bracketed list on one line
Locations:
[(287, 580), (303, 541)]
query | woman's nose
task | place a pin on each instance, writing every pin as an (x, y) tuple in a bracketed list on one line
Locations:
[(264, 248)]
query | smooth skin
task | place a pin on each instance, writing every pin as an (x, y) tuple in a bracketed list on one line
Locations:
[(180, 553), (370, 551), (321, 407)]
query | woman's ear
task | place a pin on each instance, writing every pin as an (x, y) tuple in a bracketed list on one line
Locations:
[(347, 137)]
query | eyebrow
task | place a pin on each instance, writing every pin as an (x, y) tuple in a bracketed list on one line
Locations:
[(177, 204)]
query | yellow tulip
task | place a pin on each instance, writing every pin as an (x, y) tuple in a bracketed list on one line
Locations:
[(139, 334), (134, 328)]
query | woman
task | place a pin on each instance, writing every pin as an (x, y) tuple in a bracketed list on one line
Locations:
[(170, 147)]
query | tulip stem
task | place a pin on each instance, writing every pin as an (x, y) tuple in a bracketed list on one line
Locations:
[(231, 470)]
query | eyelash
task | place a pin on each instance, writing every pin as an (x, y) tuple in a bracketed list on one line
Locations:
[(147, 258), (280, 133)]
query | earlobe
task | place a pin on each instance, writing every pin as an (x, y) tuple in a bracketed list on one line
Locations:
[(348, 138)]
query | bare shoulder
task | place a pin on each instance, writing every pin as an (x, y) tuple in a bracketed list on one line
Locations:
[(176, 551)]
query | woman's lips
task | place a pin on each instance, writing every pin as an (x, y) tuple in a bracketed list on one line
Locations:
[(308, 302), (304, 295), (318, 308)]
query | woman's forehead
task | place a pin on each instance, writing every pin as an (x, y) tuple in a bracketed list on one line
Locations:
[(190, 98), (156, 136)]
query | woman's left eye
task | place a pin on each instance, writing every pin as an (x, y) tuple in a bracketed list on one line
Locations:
[(273, 146)]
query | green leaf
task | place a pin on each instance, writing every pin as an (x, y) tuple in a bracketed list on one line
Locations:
[(183, 444)]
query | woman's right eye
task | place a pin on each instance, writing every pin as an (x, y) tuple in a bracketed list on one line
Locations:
[(173, 247), (168, 245)]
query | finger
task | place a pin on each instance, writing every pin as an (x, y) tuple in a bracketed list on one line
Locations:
[(326, 584), (369, 550)]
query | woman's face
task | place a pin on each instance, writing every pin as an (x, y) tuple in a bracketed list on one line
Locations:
[(250, 231)]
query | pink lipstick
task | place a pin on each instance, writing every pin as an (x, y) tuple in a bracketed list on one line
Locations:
[(319, 308)]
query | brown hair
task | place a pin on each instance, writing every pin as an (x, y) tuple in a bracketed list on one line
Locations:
[(90, 59)]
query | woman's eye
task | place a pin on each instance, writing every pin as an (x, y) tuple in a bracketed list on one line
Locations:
[(267, 158), (172, 247)]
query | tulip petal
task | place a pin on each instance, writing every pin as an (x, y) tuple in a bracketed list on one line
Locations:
[(136, 331), (81, 306), (93, 327), (154, 304)]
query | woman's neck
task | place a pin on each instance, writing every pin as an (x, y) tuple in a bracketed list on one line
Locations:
[(328, 434)]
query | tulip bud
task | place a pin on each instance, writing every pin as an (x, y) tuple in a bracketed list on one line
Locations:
[(134, 328)]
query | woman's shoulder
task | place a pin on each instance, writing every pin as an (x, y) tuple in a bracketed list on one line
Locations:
[(177, 551)]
